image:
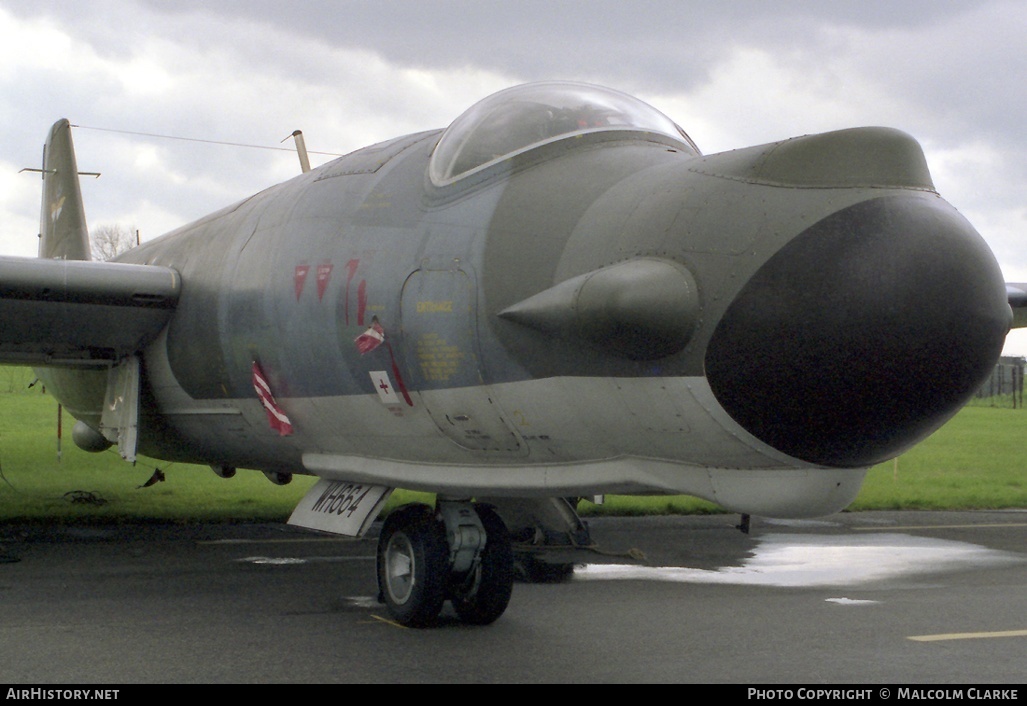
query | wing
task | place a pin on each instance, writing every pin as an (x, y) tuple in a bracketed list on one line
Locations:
[(1018, 303), (74, 312)]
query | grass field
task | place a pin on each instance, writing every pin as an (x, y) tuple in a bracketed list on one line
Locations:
[(975, 461)]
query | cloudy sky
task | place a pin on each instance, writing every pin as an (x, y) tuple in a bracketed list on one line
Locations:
[(732, 73)]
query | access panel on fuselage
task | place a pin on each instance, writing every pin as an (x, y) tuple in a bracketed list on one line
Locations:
[(440, 348)]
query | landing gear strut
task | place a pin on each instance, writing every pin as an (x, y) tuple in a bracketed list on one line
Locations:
[(483, 594), (461, 553)]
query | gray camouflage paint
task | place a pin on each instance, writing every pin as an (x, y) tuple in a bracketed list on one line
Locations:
[(783, 256)]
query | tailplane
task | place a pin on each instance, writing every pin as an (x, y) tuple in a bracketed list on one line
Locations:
[(62, 221)]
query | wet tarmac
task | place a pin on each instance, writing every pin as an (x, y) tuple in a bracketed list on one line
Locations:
[(858, 598)]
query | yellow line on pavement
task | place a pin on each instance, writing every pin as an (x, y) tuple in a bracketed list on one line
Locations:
[(393, 623), (968, 635)]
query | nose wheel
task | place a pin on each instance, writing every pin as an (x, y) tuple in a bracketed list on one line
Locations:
[(412, 565), (416, 567)]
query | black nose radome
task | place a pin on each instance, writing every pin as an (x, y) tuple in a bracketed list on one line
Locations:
[(863, 334)]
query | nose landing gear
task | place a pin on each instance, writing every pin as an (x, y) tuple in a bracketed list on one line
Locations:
[(461, 553)]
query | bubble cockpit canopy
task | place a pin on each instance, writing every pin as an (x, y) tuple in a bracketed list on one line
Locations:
[(519, 118)]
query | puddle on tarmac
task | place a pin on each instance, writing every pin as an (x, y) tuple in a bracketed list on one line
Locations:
[(803, 560)]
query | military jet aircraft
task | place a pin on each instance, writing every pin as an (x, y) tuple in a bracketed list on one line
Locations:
[(557, 296)]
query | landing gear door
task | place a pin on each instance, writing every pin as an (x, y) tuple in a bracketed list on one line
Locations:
[(120, 419), (439, 319)]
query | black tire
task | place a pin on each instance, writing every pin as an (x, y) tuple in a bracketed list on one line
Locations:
[(484, 595), (412, 573)]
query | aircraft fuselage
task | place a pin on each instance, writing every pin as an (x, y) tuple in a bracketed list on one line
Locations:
[(292, 276), (558, 296)]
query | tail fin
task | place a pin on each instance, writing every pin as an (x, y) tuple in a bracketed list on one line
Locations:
[(62, 221)]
